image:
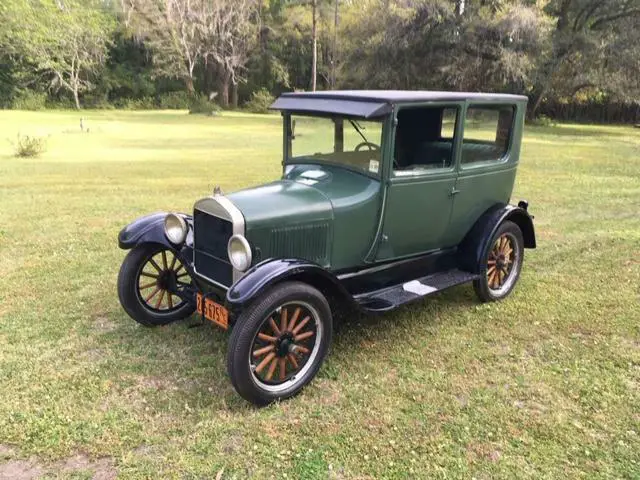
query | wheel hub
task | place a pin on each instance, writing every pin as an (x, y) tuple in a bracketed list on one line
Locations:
[(284, 344), (167, 280)]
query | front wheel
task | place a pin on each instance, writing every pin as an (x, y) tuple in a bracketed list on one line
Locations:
[(501, 265), (148, 276), (279, 343)]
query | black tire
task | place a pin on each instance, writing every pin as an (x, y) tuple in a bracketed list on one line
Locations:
[(130, 295), (491, 286), (244, 339)]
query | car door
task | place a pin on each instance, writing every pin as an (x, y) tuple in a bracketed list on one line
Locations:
[(486, 167), (420, 189)]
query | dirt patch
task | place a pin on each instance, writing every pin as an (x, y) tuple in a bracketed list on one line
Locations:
[(20, 470), (104, 323), (234, 443), (100, 469), (6, 451)]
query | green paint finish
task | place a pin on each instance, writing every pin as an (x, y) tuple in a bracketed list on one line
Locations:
[(417, 215), (313, 200), (378, 204)]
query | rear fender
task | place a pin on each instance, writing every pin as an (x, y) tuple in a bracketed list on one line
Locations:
[(273, 271), (477, 241)]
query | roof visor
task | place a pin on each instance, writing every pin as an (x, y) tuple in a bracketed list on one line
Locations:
[(354, 108)]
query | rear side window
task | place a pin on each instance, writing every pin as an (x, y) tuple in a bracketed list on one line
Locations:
[(487, 134)]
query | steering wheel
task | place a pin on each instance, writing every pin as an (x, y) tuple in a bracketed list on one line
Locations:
[(371, 146)]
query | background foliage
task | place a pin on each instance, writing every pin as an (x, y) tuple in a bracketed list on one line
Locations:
[(132, 53)]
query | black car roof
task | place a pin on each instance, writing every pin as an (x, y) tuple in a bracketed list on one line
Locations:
[(375, 103)]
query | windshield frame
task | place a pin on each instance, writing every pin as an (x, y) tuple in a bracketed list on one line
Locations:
[(287, 159)]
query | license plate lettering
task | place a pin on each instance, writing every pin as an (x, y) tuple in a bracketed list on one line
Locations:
[(214, 312)]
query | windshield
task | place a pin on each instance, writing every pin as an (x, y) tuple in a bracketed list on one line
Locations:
[(354, 144)]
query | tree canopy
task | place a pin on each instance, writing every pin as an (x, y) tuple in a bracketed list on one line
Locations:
[(106, 50)]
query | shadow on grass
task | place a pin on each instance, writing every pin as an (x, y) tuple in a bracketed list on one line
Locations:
[(189, 359)]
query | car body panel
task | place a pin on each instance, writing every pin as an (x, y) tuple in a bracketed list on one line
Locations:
[(354, 232)]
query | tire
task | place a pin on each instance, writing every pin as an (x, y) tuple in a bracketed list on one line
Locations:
[(304, 310), (134, 269), (500, 269)]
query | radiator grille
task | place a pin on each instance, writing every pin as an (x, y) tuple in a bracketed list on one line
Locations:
[(211, 235)]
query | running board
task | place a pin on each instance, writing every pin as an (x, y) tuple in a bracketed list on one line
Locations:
[(392, 297)]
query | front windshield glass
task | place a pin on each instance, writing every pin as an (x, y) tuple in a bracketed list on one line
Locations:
[(350, 143)]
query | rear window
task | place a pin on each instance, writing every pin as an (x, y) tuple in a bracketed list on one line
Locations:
[(487, 134)]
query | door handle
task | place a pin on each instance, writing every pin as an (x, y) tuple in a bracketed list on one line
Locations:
[(454, 191)]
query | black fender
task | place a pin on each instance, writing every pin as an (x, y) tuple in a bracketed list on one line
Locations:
[(474, 246), (272, 271), (150, 229)]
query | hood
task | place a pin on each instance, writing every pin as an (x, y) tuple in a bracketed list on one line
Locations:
[(284, 202)]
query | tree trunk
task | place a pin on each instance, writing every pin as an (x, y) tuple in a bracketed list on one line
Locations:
[(225, 82), (189, 84), (234, 96), (538, 96), (334, 54), (314, 40), (76, 98)]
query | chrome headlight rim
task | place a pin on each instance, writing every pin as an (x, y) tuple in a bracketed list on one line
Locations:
[(240, 259), (175, 228)]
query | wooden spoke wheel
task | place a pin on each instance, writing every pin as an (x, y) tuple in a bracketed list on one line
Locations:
[(149, 278), (279, 343), (159, 278), (284, 344), (502, 263)]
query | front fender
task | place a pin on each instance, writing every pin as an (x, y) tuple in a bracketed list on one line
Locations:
[(272, 271), (150, 229), (475, 244)]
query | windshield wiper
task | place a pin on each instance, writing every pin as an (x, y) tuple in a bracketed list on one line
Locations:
[(355, 125)]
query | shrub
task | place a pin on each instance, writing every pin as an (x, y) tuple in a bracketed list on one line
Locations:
[(29, 100), (29, 146), (541, 121), (98, 101), (260, 101), (201, 104), (174, 101), (143, 103)]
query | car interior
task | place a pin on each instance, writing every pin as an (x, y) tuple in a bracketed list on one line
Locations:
[(424, 142)]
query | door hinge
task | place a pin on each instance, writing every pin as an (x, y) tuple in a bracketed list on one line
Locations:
[(454, 191)]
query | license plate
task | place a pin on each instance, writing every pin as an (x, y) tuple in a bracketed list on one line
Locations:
[(214, 312)]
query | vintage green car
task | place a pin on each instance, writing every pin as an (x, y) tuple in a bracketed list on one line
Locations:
[(386, 197)]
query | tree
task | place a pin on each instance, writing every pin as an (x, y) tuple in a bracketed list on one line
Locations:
[(170, 29), (314, 44), (66, 40), (229, 30), (588, 50)]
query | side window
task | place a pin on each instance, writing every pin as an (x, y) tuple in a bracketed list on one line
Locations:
[(487, 132), (448, 123), (424, 140)]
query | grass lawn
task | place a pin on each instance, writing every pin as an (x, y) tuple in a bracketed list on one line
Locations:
[(543, 385)]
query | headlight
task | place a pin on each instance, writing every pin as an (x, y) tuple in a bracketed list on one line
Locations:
[(239, 252), (175, 228)]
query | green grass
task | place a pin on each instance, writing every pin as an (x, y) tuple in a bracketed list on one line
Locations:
[(544, 384)]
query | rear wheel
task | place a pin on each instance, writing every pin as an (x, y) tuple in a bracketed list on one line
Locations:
[(148, 276), (501, 265), (279, 343)]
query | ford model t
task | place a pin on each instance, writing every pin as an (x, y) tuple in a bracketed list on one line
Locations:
[(385, 197)]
